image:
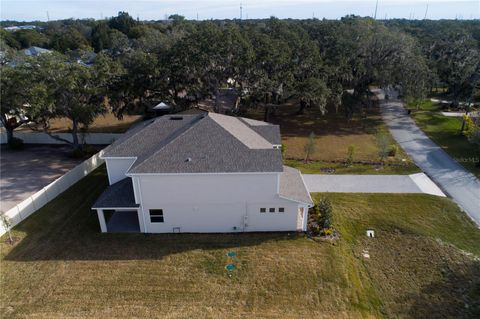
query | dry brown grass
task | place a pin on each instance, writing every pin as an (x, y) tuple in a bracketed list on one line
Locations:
[(334, 133), (107, 123)]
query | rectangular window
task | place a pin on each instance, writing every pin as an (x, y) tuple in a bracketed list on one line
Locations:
[(281, 210), (263, 210), (156, 215), (271, 210)]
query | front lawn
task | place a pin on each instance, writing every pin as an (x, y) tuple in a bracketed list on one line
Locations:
[(62, 266), (445, 131)]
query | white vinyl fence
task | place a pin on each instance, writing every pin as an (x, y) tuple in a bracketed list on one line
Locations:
[(39, 199), (43, 138)]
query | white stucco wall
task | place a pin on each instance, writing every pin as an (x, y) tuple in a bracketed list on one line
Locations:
[(215, 203), (117, 167)]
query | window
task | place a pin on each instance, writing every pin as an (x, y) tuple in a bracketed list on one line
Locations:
[(281, 210), (263, 210), (156, 215), (271, 210)]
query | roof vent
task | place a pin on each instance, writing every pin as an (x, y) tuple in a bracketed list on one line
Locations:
[(176, 118), (188, 159)]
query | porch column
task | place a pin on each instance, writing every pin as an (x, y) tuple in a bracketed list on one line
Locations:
[(141, 221), (305, 217), (101, 220)]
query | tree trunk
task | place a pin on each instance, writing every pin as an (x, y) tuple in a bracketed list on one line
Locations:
[(303, 105), (75, 143), (9, 134), (266, 115)]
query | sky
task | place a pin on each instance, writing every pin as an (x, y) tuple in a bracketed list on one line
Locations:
[(28, 10)]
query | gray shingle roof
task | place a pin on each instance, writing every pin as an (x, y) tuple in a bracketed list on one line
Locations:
[(201, 143), (293, 187), (119, 195)]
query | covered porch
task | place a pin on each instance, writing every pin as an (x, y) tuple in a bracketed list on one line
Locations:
[(117, 211)]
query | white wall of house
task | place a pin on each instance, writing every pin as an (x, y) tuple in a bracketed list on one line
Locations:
[(117, 168), (215, 203)]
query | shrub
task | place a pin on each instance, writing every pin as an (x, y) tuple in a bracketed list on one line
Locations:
[(15, 143), (350, 154), (284, 150), (383, 143), (326, 232), (393, 150), (325, 209), (469, 126), (309, 147)]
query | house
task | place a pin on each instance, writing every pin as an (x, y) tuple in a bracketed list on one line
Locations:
[(201, 173), (21, 27), (35, 51), (224, 101)]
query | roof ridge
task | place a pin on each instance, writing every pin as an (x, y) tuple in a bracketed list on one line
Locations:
[(234, 126), (172, 137)]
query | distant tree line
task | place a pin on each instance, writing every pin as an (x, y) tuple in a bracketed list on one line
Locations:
[(140, 63)]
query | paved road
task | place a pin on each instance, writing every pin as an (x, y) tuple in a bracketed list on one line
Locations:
[(451, 177), (415, 183)]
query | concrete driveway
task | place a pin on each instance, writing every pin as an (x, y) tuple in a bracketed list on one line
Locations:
[(25, 172), (451, 177), (415, 183)]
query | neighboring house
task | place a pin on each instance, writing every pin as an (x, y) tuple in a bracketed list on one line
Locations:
[(35, 51), (201, 173), (225, 100), (21, 27)]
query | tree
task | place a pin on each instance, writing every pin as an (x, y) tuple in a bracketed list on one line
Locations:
[(414, 75), (350, 154), (20, 96), (309, 147), (457, 59), (28, 38), (383, 143), (69, 39), (313, 91), (123, 22), (7, 225), (75, 91), (176, 17), (101, 37)]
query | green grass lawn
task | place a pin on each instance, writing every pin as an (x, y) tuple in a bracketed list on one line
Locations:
[(445, 131), (334, 134), (63, 267), (424, 261), (426, 105), (318, 167)]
